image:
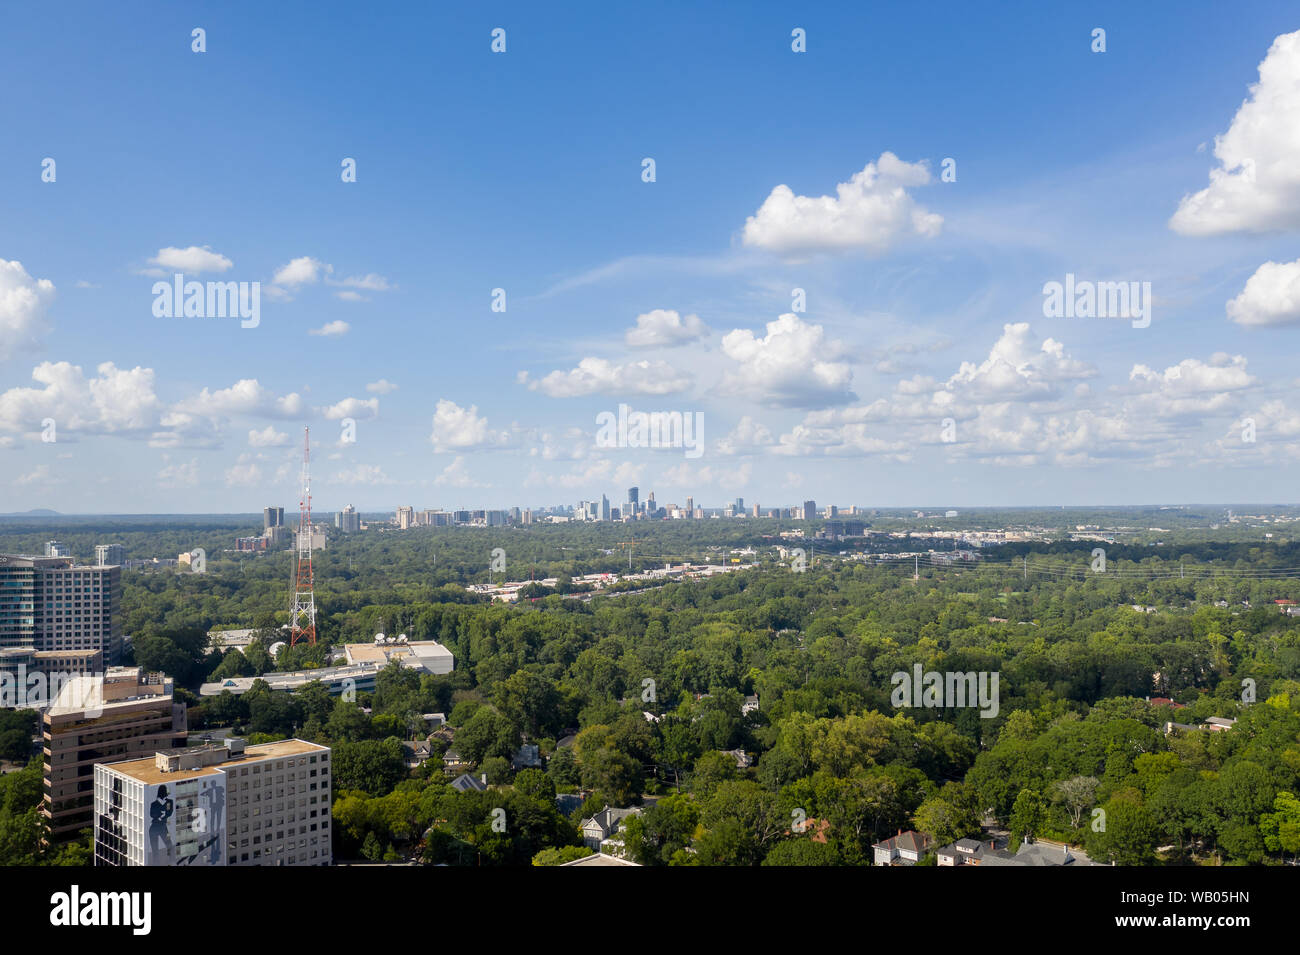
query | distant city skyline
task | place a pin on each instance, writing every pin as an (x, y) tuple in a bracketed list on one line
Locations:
[(471, 272)]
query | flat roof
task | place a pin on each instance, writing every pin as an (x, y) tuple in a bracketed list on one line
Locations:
[(146, 769)]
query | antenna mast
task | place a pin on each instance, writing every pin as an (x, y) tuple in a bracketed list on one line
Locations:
[(302, 618)]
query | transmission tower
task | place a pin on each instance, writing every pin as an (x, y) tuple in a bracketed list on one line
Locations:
[(302, 618)]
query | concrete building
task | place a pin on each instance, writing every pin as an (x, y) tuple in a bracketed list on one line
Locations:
[(348, 520), (317, 537), (809, 510), (57, 549), (50, 603), (405, 517), (337, 680), (108, 554), (230, 804), (272, 517), (428, 656), (122, 714)]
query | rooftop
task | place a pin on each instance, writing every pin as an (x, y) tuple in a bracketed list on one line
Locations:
[(147, 771)]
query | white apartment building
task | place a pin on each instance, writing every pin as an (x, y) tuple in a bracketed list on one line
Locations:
[(229, 804)]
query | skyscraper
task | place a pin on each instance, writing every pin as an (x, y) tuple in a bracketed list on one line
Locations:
[(633, 501), (272, 517), (50, 603), (348, 520), (106, 554), (809, 510), (604, 508)]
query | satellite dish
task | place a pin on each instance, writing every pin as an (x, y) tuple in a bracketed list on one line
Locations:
[(379, 638), (401, 638), (277, 647)]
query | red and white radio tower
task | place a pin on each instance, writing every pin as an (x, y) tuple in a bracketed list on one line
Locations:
[(302, 619)]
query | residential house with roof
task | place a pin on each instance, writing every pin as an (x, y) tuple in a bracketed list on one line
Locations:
[(599, 830), (905, 848), (465, 782)]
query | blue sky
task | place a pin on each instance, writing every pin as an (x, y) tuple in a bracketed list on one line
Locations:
[(522, 170)]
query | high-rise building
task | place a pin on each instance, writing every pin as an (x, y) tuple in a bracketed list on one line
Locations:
[(318, 539), (809, 510), (272, 517), (757, 512), (740, 505), (348, 520), (690, 508), (108, 554), (57, 549), (604, 508), (119, 714), (831, 512), (231, 804), (50, 603), (405, 516)]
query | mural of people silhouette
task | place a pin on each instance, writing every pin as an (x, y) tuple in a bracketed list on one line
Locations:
[(160, 812), (216, 797)]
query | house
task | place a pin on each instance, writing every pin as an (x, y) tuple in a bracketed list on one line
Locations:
[(1165, 701), (1040, 854), (465, 782), (601, 858), (599, 828), (453, 761), (743, 759), (906, 848), (1033, 854), (1213, 724), (416, 752), (750, 705), (815, 829), (963, 852), (527, 756), (434, 719)]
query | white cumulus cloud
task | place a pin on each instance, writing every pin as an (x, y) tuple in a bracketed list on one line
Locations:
[(1271, 296), (23, 302), (192, 259), (793, 365), (871, 212), (601, 376), (1256, 187), (665, 328)]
